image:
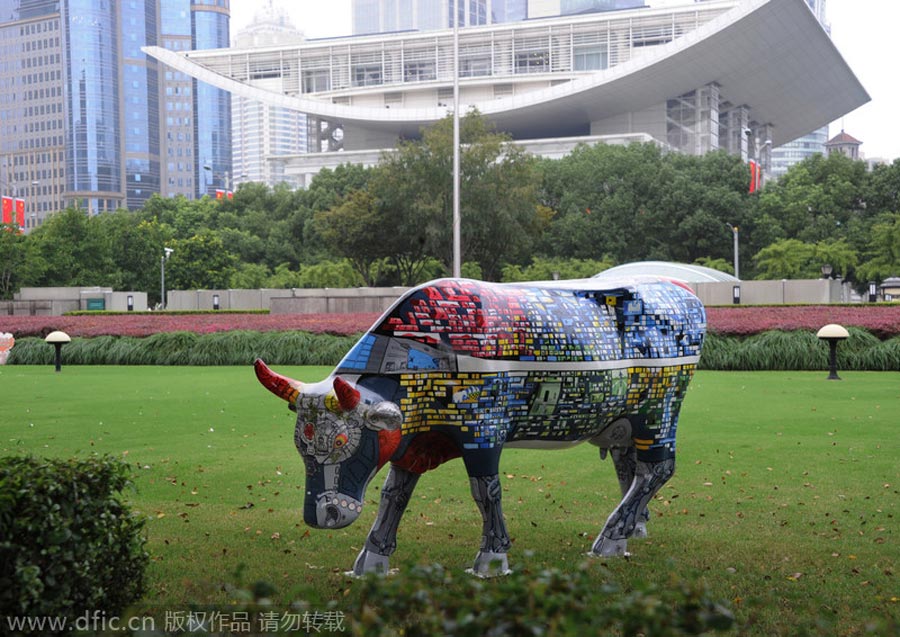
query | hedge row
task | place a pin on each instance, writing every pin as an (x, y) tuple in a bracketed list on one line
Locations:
[(775, 350), (188, 348)]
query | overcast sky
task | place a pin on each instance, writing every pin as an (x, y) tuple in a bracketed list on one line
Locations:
[(863, 30)]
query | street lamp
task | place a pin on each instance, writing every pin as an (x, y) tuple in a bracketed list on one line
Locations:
[(737, 267), (162, 276)]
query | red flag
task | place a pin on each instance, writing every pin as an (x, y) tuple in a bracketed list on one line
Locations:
[(220, 194), (229, 194), (755, 174), (7, 209), (20, 212)]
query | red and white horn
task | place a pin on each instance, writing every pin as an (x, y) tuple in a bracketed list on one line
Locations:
[(348, 396), (281, 386)]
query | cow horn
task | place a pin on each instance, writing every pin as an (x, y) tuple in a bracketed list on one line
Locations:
[(282, 386), (347, 395)]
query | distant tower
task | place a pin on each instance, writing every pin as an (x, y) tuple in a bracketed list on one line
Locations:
[(844, 144), (261, 132), (87, 119)]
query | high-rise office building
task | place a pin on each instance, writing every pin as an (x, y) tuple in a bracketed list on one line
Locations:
[(388, 16), (261, 132), (87, 119), (786, 155)]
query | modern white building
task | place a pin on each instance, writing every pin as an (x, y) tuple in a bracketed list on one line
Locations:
[(795, 151), (739, 75), (387, 16), (261, 132)]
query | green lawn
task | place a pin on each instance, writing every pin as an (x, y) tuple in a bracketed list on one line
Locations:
[(784, 504)]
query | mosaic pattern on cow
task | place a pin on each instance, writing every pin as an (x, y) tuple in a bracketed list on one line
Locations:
[(491, 409), (550, 324)]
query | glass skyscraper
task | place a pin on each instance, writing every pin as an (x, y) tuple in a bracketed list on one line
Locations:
[(87, 119)]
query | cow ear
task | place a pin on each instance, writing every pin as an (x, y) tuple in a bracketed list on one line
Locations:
[(384, 415)]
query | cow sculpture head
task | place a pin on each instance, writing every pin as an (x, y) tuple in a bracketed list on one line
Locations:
[(343, 437)]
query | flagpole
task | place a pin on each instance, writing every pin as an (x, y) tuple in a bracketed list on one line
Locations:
[(457, 249)]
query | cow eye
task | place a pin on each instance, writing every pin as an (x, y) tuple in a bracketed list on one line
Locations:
[(340, 440), (309, 431)]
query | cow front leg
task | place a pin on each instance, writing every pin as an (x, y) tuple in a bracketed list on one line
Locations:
[(649, 478), (625, 461), (382, 539), (491, 559)]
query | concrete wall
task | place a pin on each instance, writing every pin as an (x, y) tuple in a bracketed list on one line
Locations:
[(58, 301), (228, 299), (809, 291), (336, 300)]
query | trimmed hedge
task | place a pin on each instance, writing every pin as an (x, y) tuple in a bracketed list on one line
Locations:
[(187, 348), (774, 350), (68, 544)]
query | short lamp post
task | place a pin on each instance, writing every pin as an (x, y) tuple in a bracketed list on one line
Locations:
[(832, 334), (58, 339)]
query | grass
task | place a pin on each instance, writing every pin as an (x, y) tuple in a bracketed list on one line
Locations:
[(785, 501)]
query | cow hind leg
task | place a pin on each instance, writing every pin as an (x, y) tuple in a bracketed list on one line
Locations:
[(625, 462), (491, 559), (382, 539), (649, 478)]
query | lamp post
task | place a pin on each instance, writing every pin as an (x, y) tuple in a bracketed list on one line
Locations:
[(737, 267), (457, 241), (57, 339), (162, 276), (833, 334)]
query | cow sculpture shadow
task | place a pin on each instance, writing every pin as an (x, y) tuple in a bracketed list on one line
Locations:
[(462, 368)]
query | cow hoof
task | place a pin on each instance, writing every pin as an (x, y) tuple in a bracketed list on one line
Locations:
[(369, 562), (640, 530), (490, 565), (607, 547)]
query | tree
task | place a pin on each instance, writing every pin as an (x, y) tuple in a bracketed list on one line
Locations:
[(13, 250), (73, 251), (356, 231), (883, 252), (785, 259), (199, 262), (498, 202)]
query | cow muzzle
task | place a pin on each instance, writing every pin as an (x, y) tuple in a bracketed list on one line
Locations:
[(334, 511)]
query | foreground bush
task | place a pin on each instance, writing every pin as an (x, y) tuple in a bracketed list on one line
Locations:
[(68, 545), (431, 600)]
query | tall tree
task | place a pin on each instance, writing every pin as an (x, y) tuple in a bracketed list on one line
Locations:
[(498, 204)]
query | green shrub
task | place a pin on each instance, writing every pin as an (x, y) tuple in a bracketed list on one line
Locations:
[(69, 544), (234, 347), (432, 600), (767, 351)]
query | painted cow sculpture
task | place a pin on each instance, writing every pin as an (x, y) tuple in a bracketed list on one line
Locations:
[(462, 368)]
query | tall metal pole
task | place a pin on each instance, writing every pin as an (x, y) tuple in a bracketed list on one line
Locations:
[(162, 282), (737, 266), (457, 243)]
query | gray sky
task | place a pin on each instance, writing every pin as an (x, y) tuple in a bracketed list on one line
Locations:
[(863, 30)]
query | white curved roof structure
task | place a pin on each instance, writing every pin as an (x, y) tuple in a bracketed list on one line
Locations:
[(688, 273), (769, 57)]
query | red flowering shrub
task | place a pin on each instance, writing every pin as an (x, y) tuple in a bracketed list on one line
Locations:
[(153, 323), (882, 320)]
